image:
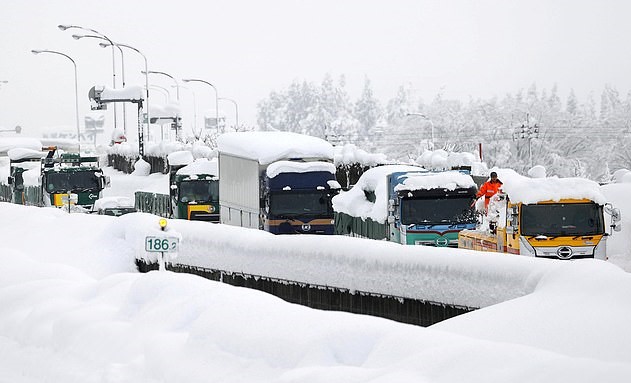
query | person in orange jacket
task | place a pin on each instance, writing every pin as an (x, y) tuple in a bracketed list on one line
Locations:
[(489, 188)]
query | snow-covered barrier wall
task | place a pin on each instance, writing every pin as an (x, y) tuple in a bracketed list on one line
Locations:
[(350, 274)]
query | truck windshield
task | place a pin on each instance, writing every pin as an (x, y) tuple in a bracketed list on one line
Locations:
[(78, 181), (298, 203), (436, 211), (199, 191), (559, 219)]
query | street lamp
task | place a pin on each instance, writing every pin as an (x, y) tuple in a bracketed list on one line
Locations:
[(164, 91), (177, 85), (66, 27), (105, 45), (194, 106), (430, 123), (78, 37), (236, 109), (76, 91), (216, 98)]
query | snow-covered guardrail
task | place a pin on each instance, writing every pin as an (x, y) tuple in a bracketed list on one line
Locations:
[(448, 276)]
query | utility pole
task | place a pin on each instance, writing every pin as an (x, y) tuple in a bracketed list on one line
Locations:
[(527, 132)]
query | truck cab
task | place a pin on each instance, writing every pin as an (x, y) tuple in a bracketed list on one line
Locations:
[(430, 208), (68, 174), (193, 187), (298, 201), (569, 227)]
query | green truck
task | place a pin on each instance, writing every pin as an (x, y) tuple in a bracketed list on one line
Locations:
[(52, 179)]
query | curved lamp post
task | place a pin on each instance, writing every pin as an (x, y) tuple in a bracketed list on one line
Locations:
[(430, 123), (177, 85), (66, 27), (76, 92), (216, 98), (194, 106), (78, 37), (236, 109)]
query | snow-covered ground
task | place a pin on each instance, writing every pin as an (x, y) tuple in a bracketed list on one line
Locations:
[(75, 310)]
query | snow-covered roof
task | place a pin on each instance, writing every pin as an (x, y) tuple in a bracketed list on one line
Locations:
[(354, 202), (268, 147), (278, 167), (17, 154), (8, 143), (351, 154), (532, 190), (201, 166), (450, 180)]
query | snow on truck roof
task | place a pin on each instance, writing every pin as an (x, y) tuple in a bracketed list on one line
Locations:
[(279, 167), (23, 153), (449, 180), (354, 201), (268, 147), (8, 143), (532, 190), (201, 166)]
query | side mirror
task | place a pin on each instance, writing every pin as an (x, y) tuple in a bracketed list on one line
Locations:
[(617, 226), (10, 180)]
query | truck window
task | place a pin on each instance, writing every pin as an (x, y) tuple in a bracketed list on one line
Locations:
[(562, 219), (199, 190), (300, 203), (436, 211), (58, 182)]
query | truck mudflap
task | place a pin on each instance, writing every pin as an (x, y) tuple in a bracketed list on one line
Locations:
[(298, 226)]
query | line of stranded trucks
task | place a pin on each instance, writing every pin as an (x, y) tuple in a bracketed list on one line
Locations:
[(285, 183)]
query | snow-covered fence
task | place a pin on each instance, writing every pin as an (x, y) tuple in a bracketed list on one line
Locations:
[(444, 277)]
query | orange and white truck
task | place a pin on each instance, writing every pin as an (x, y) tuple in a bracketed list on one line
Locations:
[(550, 217)]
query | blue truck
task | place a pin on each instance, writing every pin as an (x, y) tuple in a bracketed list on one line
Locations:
[(279, 182)]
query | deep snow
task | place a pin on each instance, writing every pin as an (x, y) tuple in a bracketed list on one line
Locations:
[(75, 310)]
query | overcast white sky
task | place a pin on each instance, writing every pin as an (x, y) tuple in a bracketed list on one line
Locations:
[(248, 48)]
